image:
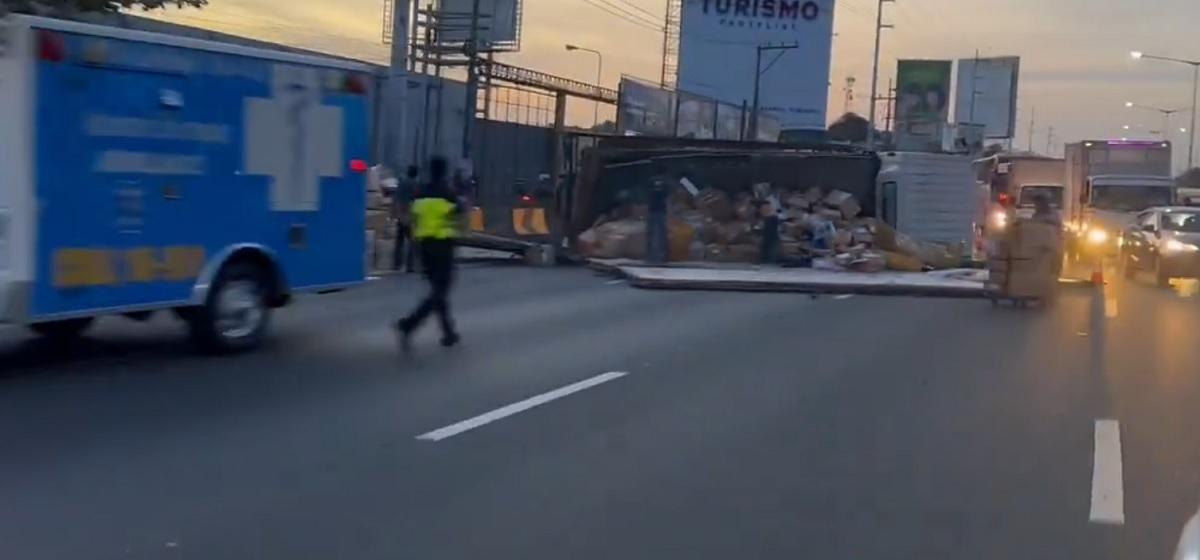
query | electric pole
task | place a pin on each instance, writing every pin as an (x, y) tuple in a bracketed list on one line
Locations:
[(472, 84), (879, 27), (396, 88), (758, 74), (1032, 121), (1050, 141)]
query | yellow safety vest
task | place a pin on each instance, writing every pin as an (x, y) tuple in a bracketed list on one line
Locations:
[(435, 218)]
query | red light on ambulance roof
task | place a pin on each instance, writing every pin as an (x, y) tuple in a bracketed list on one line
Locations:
[(358, 166), (51, 47)]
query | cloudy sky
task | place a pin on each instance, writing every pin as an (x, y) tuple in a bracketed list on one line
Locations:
[(1076, 70)]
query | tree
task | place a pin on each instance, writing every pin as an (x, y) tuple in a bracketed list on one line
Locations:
[(850, 127), (69, 7)]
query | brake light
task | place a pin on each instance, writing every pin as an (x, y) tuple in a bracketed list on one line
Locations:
[(358, 166), (1003, 199), (526, 198), (51, 47)]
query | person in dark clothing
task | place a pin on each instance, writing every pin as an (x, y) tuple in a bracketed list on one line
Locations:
[(405, 250), (435, 214)]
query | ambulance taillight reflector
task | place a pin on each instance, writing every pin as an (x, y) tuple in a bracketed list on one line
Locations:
[(51, 46), (358, 166)]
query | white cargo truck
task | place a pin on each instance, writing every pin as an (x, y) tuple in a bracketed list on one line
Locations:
[(1110, 182), (929, 196)]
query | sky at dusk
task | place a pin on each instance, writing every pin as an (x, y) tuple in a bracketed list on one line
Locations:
[(1076, 71)]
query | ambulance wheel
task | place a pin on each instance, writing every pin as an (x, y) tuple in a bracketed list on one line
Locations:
[(236, 315), (68, 329)]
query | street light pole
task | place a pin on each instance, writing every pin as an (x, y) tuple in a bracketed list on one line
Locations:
[(758, 74), (599, 78), (1195, 64)]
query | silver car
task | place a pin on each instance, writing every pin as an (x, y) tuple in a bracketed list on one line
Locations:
[(1164, 241)]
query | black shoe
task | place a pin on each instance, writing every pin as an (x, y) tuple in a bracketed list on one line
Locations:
[(451, 340), (403, 336)]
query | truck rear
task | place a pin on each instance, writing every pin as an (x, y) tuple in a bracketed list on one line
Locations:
[(147, 172), (1111, 181)]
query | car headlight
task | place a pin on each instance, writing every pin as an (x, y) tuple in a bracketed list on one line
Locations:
[(1177, 246), (1096, 236), (1000, 219)]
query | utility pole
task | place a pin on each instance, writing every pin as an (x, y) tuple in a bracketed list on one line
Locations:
[(1032, 121), (891, 100), (975, 89), (879, 27), (758, 74), (1050, 141), (472, 83), (396, 88), (849, 94)]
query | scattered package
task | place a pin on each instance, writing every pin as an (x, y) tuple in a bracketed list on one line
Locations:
[(816, 225)]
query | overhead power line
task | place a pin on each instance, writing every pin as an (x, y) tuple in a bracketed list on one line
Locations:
[(639, 8), (626, 13), (621, 14)]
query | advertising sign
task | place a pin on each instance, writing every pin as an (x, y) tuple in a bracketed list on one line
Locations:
[(987, 94), (923, 91), (719, 43), (500, 22)]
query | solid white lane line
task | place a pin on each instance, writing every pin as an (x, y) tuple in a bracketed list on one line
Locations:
[(517, 407), (843, 296), (1108, 486), (615, 282)]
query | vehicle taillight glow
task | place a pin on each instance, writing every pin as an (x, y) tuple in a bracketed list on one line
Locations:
[(358, 166), (526, 198), (51, 47), (1004, 199)]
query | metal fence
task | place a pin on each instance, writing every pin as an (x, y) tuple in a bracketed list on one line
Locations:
[(645, 109)]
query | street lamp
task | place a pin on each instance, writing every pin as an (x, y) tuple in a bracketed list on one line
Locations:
[(599, 77), (1195, 64), (1166, 113)]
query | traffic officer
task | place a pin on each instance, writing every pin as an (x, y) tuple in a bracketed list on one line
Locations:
[(435, 214)]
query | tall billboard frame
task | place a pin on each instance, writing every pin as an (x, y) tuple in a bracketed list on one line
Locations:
[(989, 87)]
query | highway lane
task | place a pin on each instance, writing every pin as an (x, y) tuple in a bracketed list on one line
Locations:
[(727, 424)]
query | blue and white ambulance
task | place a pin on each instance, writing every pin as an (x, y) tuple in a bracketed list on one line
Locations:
[(142, 172)]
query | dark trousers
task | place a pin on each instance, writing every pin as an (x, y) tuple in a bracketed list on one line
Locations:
[(437, 260), (405, 252)]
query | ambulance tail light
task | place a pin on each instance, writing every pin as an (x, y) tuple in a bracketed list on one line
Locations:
[(51, 46), (355, 84), (358, 166)]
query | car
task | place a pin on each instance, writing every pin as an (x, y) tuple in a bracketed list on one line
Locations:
[(1164, 241)]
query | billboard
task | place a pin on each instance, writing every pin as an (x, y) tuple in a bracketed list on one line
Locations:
[(697, 117), (922, 91), (718, 46), (499, 22), (987, 94)]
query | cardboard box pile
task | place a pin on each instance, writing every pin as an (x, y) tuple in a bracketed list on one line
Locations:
[(1027, 261), (380, 227), (715, 225)]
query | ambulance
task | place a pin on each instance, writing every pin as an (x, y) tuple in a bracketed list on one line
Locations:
[(142, 173)]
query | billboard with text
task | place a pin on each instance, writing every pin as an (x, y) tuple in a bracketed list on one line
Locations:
[(719, 45)]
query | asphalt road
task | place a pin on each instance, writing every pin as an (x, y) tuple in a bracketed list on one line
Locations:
[(662, 425)]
